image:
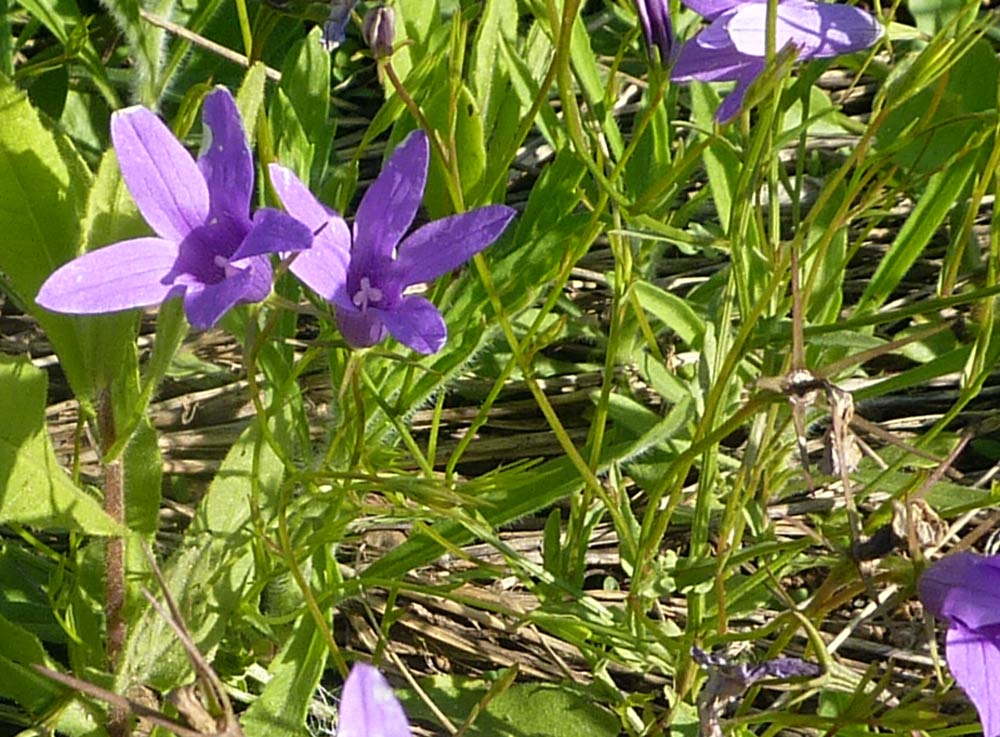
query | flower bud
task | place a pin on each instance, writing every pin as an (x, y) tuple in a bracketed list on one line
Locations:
[(336, 23), (654, 15), (379, 29)]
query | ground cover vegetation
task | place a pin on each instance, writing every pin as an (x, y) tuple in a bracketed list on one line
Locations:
[(555, 368)]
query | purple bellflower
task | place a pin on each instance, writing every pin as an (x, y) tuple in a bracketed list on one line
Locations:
[(368, 707), (964, 590), (654, 16), (208, 250), (364, 273), (335, 27), (732, 47)]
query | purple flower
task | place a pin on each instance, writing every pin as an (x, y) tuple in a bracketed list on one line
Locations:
[(732, 47), (365, 273), (654, 15), (964, 590), (368, 707), (335, 27), (209, 251)]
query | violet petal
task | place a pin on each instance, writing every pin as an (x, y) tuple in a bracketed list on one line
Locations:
[(127, 274), (974, 659), (274, 231), (963, 588), (225, 159), (164, 180), (391, 202), (323, 267), (416, 323), (701, 59), (360, 329), (818, 30), (731, 106), (205, 304), (443, 245), (368, 707), (711, 9)]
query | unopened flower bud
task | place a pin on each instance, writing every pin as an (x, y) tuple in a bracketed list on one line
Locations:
[(379, 29), (655, 18)]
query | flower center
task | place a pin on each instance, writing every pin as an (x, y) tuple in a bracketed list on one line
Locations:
[(366, 294), (223, 263)]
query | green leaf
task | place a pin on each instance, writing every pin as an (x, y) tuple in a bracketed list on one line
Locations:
[(935, 124), (930, 211), (18, 681), (550, 709), (489, 79), (34, 489), (305, 80), (468, 143), (250, 98), (293, 148), (280, 711), (673, 311)]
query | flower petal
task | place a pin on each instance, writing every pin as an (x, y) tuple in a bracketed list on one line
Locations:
[(711, 9), (225, 159), (360, 329), (654, 16), (323, 267), (205, 304), (390, 204), (963, 588), (818, 30), (165, 183), (731, 106), (133, 273), (415, 323), (703, 59), (443, 245), (274, 231), (974, 659), (368, 707)]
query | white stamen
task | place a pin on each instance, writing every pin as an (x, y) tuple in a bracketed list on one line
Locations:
[(366, 294), (223, 263)]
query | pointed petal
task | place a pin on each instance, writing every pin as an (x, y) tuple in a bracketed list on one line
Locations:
[(963, 588), (390, 204), (323, 267), (360, 330), (445, 244), (711, 9), (818, 30), (704, 59), (274, 231), (733, 103), (165, 183), (225, 159), (123, 275), (368, 707), (205, 304), (974, 659), (416, 323)]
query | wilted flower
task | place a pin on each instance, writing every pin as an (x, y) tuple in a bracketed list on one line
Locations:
[(379, 30), (336, 23), (964, 590), (732, 47), (365, 275), (368, 707), (208, 251), (654, 15)]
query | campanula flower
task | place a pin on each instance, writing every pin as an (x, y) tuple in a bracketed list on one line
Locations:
[(208, 250), (364, 272), (379, 30), (335, 27), (368, 707), (964, 590), (732, 47), (654, 16)]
